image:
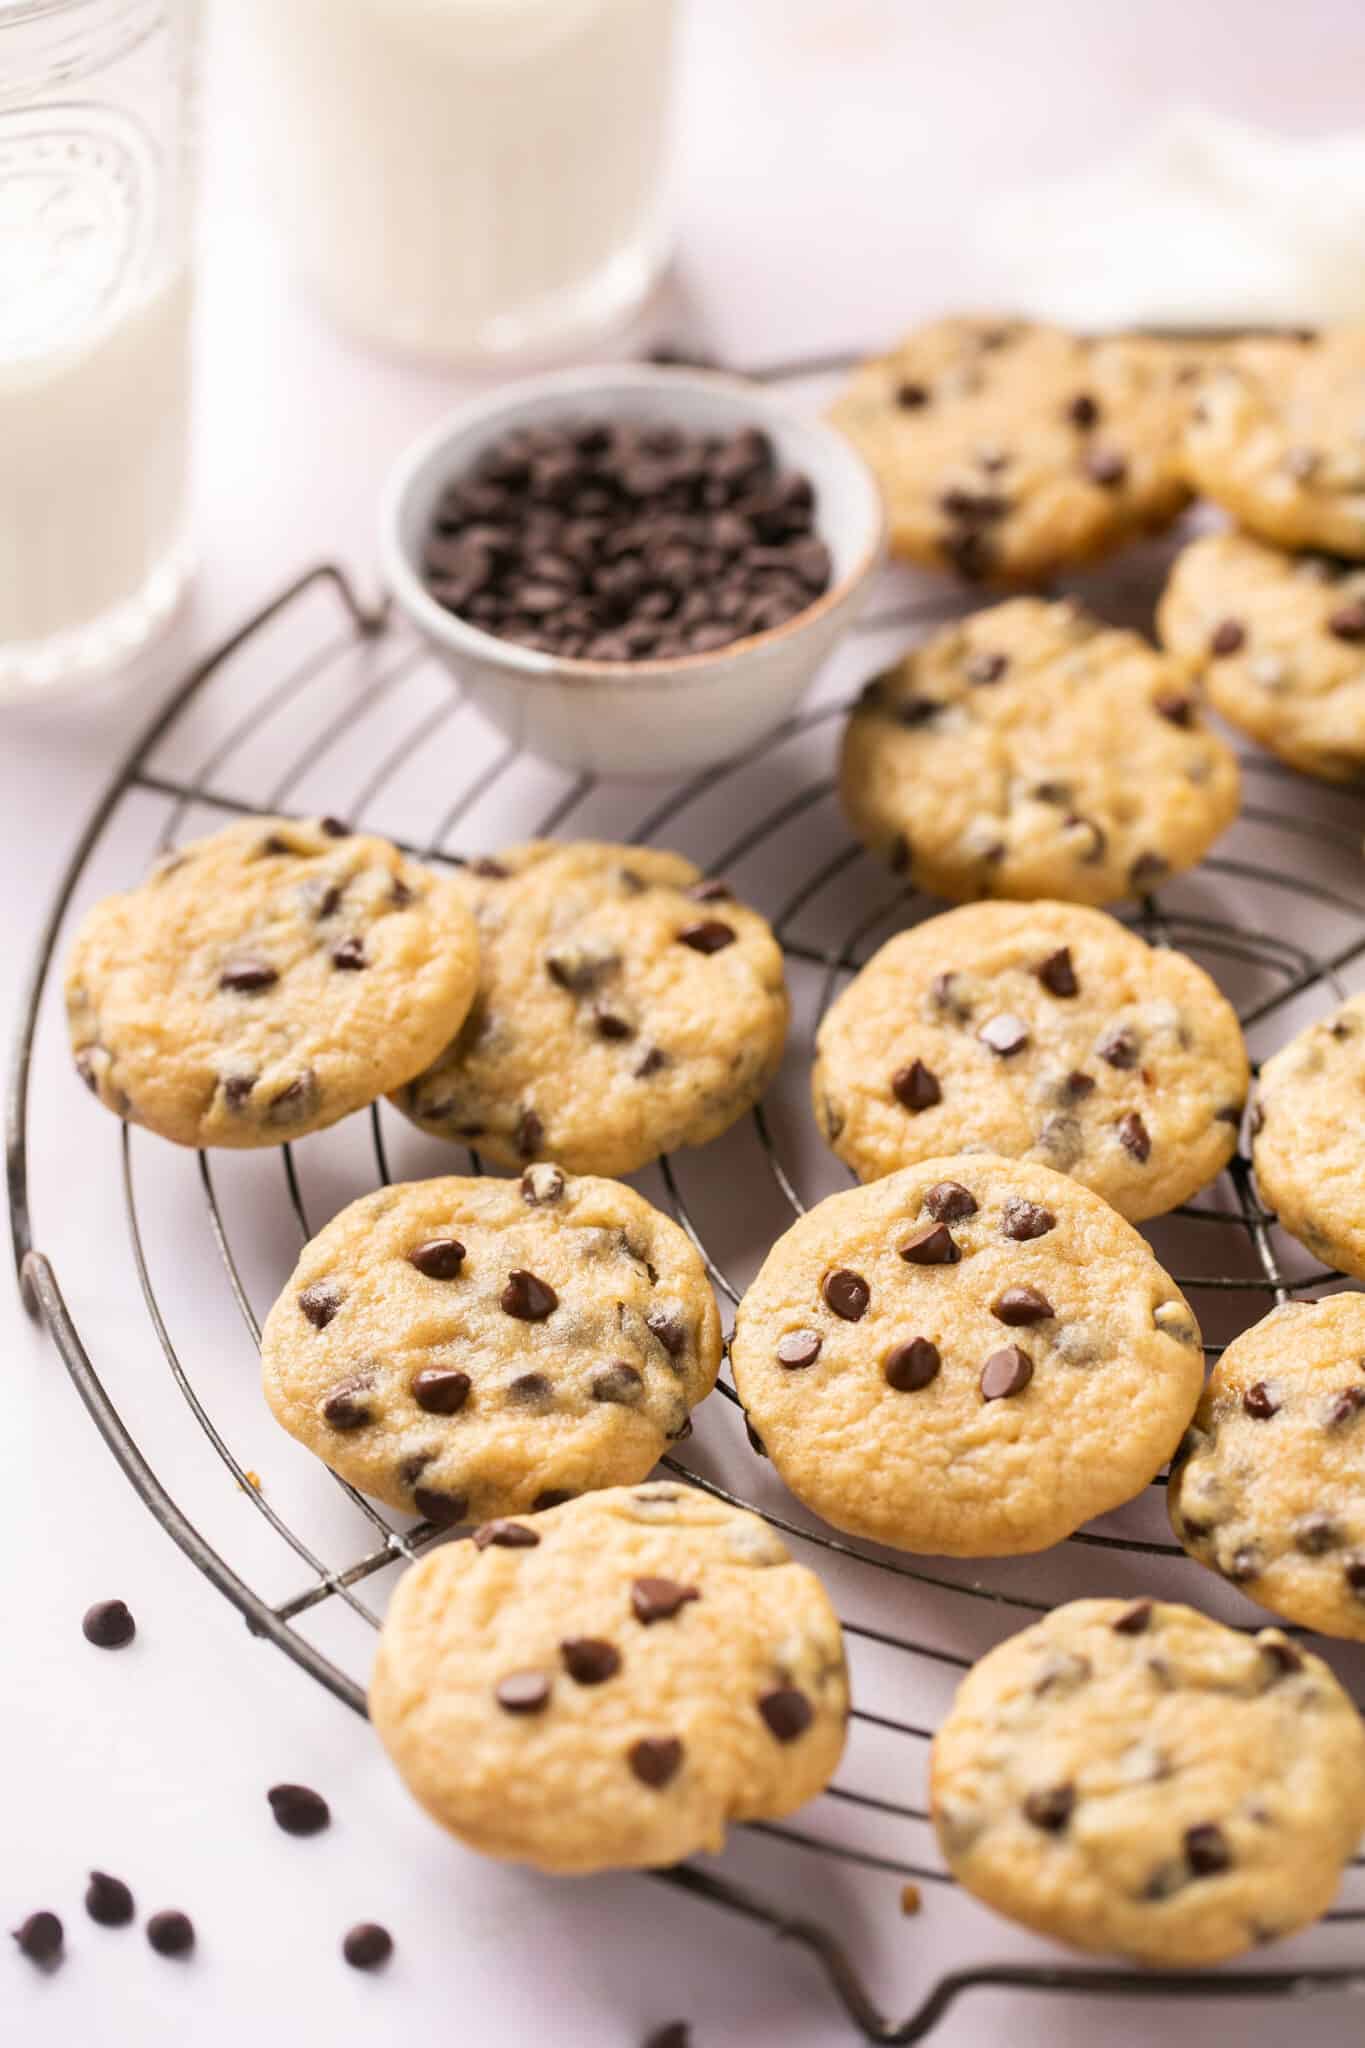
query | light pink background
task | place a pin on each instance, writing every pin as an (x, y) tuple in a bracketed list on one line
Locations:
[(831, 153)]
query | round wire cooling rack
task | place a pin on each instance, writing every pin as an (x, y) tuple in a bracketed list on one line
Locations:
[(320, 703)]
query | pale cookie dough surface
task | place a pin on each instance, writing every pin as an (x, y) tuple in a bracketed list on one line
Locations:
[(1269, 1485), (266, 981), (1307, 1127), (1007, 450), (626, 1006), (472, 1347), (611, 1684), (971, 1357), (1278, 641), (1135, 1779), (1041, 1031), (1274, 437), (1032, 751)]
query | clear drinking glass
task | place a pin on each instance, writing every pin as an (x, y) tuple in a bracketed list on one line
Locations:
[(467, 179), (96, 193)]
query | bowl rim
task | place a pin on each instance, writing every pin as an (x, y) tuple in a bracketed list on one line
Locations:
[(533, 665)]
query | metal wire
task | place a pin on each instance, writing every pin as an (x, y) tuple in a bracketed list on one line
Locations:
[(1232, 1206)]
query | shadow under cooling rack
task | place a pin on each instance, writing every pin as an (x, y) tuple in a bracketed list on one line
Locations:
[(206, 754)]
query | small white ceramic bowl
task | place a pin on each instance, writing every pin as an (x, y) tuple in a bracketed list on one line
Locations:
[(637, 718)]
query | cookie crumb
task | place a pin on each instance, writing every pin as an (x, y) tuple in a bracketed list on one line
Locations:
[(911, 1899)]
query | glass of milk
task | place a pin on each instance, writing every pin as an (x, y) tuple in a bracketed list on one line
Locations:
[(96, 142), (467, 180)]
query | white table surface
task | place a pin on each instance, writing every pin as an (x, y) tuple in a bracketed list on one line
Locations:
[(831, 152)]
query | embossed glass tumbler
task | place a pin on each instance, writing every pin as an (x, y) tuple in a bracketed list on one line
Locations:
[(96, 199)]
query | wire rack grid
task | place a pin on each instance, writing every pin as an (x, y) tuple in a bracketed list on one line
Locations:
[(317, 687)]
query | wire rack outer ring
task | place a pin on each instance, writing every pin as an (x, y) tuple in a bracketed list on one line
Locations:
[(44, 1301)]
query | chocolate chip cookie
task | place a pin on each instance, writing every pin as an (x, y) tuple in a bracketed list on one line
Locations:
[(1007, 450), (1274, 437), (626, 1005), (1306, 1137), (971, 1357), (469, 1348), (266, 981), (1269, 1484), (1032, 751), (1039, 1031), (1137, 1780), (1278, 641), (610, 1684)]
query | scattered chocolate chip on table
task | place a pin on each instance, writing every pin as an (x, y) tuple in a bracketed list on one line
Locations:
[(108, 1625)]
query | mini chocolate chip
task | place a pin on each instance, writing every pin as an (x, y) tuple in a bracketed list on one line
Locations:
[(1228, 637), (541, 1185), (236, 1089), (650, 1062), (529, 1389), (1005, 1372), (367, 1946), (445, 1510), (329, 902), (1135, 1137), (441, 1390), (1106, 467), (491, 870), (787, 1712), (948, 1201), (296, 1100), (590, 1660), (1051, 1807), (933, 1245), (711, 936), (1175, 707), (1285, 1659), (349, 956), (659, 1599), (669, 1329), (1079, 1085), (506, 1535), (1206, 1849), (1083, 411), (1022, 1305), (1057, 973), (320, 1304), (912, 711), (529, 1135), (170, 1932), (1348, 622), (40, 1938), (440, 1258), (1316, 1535), (1259, 1402), (108, 1900), (523, 1692), (1148, 869), (1346, 1407), (1098, 839), (247, 976), (1023, 1220), (348, 1405), (1355, 1575), (108, 1625), (1135, 1620), (608, 1025), (910, 1366), (552, 1497), (655, 1759), (798, 1348), (1004, 1034), (984, 669), (528, 1298), (298, 1810), (1120, 1048), (911, 396), (915, 1087), (847, 1293), (620, 1382), (335, 828)]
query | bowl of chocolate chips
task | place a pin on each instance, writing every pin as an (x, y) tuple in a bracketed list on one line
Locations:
[(632, 570)]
